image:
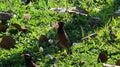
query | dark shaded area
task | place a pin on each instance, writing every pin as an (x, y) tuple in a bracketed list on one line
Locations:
[(11, 61), (26, 2)]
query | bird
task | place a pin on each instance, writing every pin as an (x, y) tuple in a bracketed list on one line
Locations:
[(62, 37), (29, 61)]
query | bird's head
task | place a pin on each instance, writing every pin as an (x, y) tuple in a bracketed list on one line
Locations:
[(61, 24), (27, 56)]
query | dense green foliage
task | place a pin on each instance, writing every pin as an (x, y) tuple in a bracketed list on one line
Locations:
[(76, 28)]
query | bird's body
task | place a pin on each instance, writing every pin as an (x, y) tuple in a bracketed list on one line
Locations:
[(30, 63), (63, 39)]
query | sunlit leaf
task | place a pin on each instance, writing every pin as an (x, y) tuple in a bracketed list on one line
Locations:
[(93, 35)]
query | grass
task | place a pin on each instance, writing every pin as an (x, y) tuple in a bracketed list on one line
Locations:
[(76, 28)]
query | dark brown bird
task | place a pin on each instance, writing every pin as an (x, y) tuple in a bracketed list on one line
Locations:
[(29, 61), (102, 57), (63, 39)]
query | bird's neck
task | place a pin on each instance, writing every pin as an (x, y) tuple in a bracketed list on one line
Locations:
[(29, 63), (60, 30)]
